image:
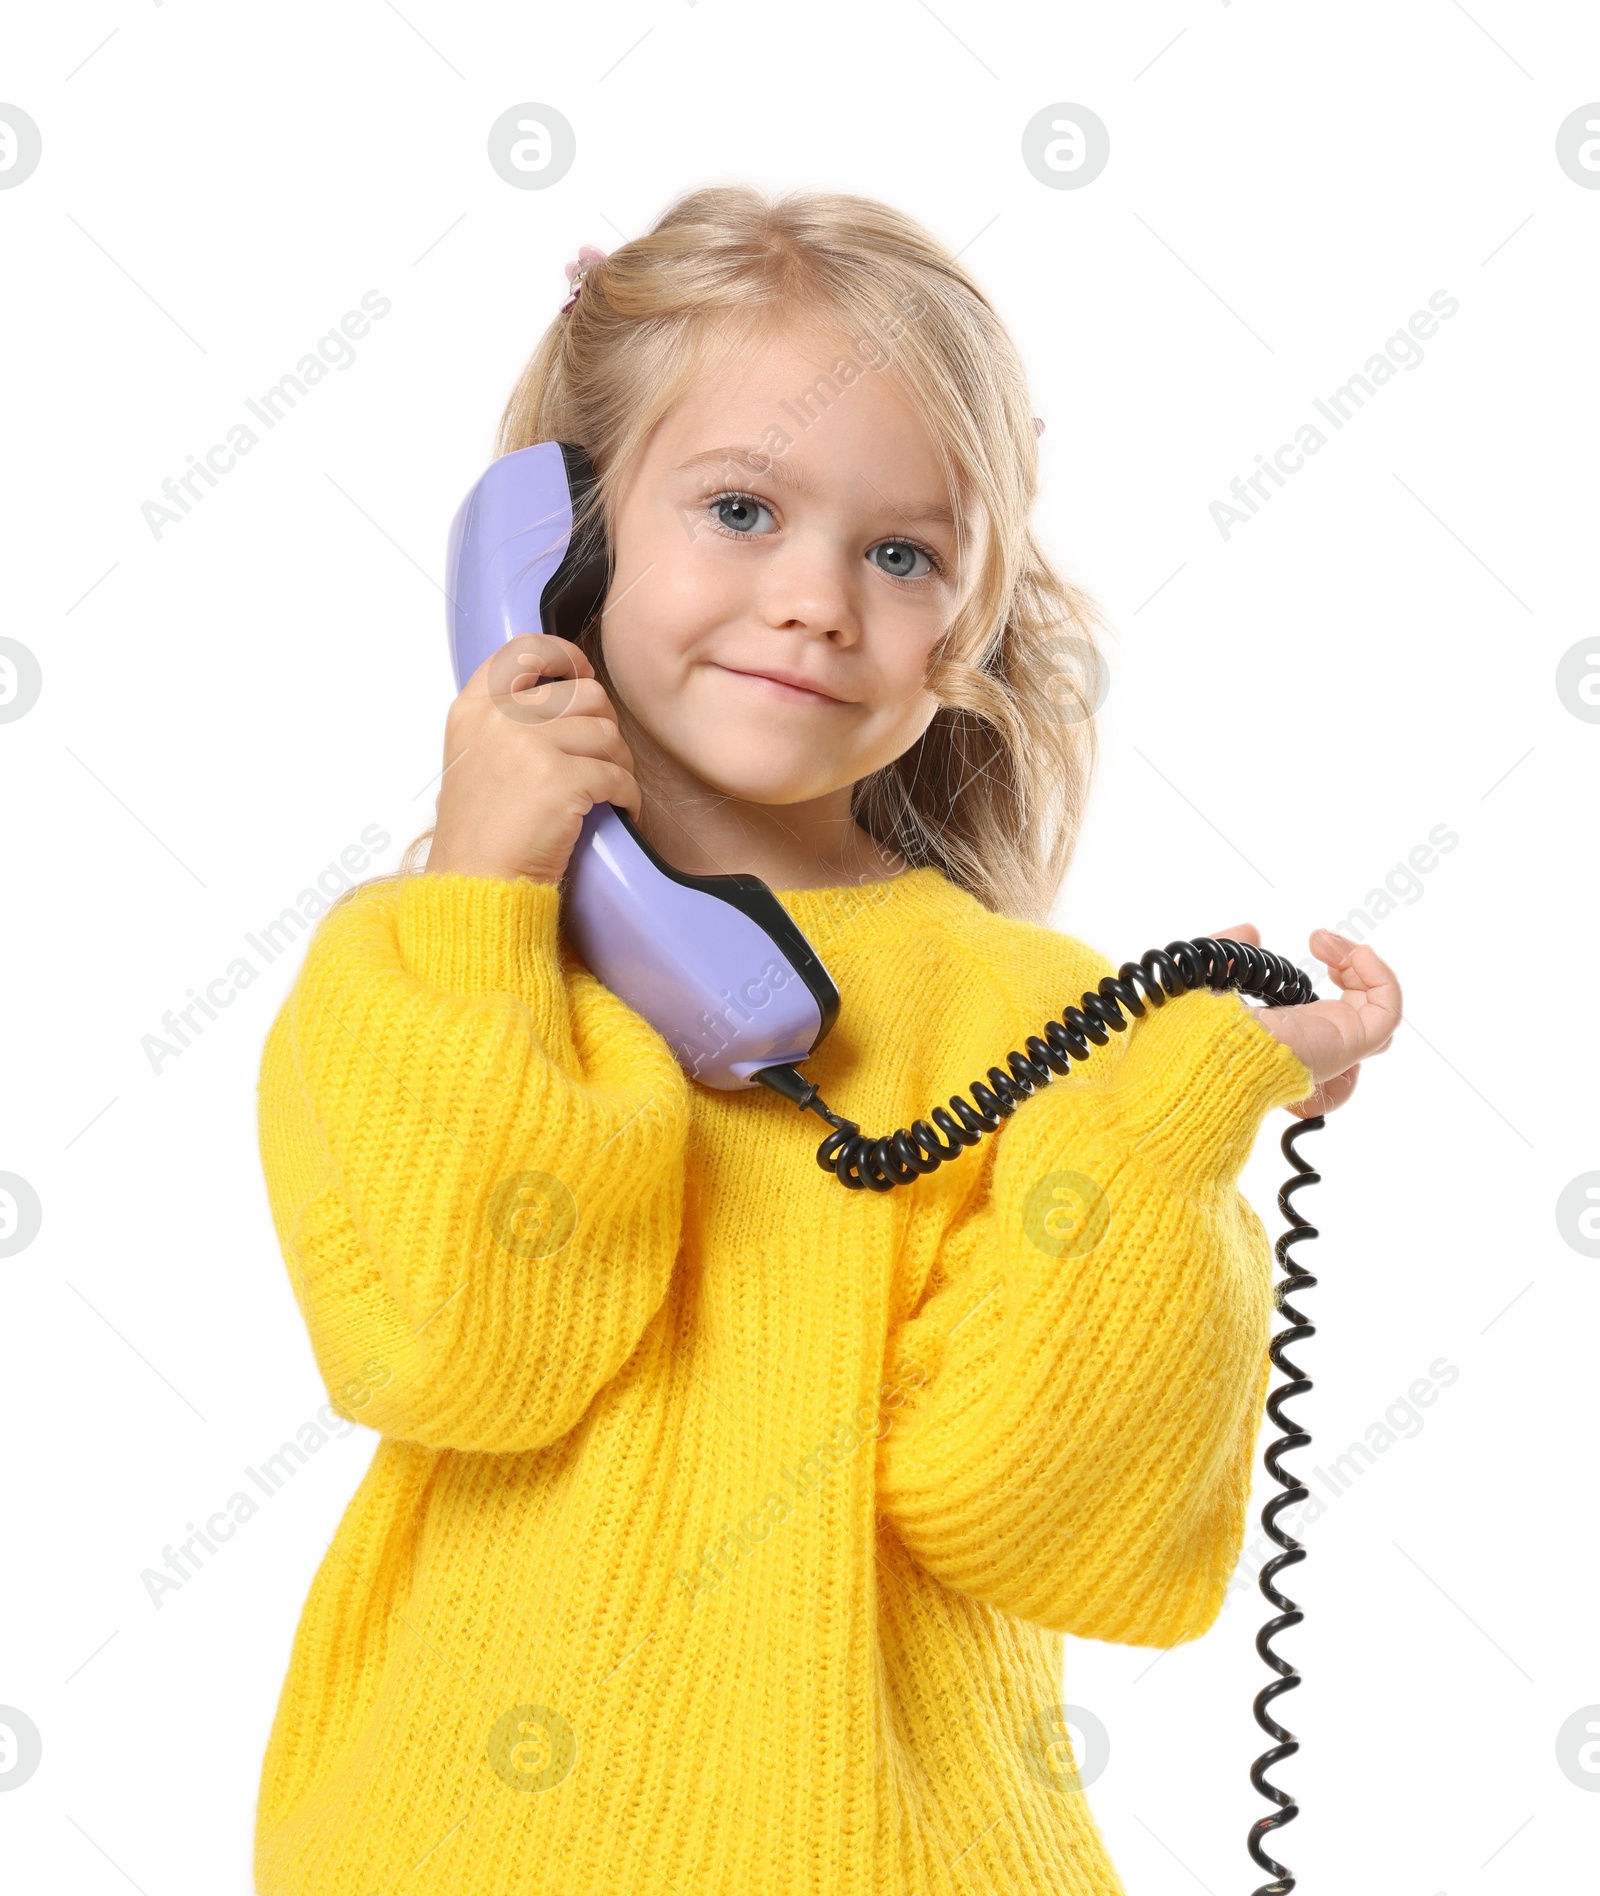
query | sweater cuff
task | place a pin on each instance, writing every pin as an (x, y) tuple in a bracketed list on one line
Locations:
[(1199, 1075), (481, 934)]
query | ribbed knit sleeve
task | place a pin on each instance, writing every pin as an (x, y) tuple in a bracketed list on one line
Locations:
[(474, 1161), (1090, 1360)]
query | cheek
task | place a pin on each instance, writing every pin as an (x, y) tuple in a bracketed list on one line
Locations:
[(657, 601), (910, 718), (902, 669)]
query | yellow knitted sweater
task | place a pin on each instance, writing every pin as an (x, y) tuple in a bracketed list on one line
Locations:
[(724, 1522)]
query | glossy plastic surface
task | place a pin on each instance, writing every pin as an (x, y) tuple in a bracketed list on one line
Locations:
[(729, 992), (507, 543)]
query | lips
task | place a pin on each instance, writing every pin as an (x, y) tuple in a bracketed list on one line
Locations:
[(789, 685)]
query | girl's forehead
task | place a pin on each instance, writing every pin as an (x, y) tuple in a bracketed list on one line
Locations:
[(772, 365), (808, 398)]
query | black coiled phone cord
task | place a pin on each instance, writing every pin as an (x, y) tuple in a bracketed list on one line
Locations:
[(900, 1157), (1296, 1278)]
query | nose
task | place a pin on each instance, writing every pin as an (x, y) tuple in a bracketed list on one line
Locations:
[(809, 587)]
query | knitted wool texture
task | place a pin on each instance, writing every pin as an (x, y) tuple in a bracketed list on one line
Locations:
[(724, 1523)]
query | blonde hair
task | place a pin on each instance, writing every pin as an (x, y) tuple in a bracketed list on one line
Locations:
[(993, 793)]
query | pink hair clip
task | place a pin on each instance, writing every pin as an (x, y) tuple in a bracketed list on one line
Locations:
[(588, 257)]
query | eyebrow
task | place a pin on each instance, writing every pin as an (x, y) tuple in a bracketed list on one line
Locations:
[(749, 460), (778, 470), (928, 516)]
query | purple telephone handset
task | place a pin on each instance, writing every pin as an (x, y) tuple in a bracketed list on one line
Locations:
[(714, 963)]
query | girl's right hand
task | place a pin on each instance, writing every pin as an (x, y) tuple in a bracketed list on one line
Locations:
[(525, 762)]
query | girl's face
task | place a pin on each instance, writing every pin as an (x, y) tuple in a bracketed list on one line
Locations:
[(773, 608)]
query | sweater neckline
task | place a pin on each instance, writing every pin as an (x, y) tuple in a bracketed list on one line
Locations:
[(891, 902)]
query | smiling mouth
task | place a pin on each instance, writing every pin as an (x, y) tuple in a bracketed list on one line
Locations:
[(780, 688)]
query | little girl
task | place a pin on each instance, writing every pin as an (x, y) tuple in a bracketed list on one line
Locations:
[(725, 1523)]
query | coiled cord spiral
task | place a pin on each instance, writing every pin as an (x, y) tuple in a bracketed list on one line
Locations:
[(1296, 1278), (900, 1157)]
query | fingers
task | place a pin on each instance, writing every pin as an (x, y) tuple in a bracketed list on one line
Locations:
[(532, 700), (1355, 967), (605, 782), (1247, 932), (592, 737), (528, 655)]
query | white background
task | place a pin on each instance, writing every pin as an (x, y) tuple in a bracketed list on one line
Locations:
[(1291, 711)]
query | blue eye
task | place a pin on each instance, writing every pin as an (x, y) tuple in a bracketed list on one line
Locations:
[(741, 513), (899, 559)]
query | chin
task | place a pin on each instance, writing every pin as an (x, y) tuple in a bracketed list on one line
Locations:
[(762, 778)]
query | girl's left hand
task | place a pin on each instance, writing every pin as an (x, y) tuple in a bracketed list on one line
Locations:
[(1332, 1038)]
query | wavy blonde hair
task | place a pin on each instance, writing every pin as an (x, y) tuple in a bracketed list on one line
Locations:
[(993, 793)]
